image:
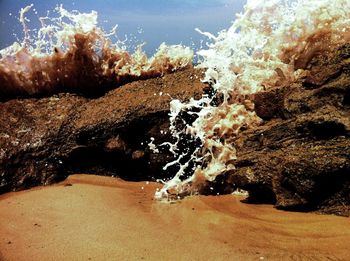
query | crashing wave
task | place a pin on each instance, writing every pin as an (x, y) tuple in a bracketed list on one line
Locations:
[(268, 45), (71, 53)]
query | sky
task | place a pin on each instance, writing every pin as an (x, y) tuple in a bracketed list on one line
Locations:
[(149, 21)]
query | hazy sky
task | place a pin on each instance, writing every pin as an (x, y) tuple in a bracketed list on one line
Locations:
[(150, 21)]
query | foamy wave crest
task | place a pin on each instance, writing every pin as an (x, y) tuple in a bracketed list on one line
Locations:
[(72, 53), (268, 45)]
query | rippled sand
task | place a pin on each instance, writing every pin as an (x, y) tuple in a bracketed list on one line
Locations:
[(101, 218)]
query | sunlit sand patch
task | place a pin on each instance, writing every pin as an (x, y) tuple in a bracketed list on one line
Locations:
[(103, 218)]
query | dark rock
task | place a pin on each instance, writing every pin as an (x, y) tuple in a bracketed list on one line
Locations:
[(44, 140), (299, 158)]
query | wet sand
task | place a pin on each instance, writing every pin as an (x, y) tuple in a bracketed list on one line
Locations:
[(101, 218)]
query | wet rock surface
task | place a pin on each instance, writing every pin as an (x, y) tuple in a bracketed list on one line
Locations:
[(299, 158), (42, 141)]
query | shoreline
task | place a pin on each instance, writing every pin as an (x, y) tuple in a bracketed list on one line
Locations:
[(103, 218)]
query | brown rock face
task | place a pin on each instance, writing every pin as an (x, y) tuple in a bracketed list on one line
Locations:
[(44, 140), (299, 158)]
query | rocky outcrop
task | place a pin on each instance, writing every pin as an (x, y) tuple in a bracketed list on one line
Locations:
[(44, 140), (299, 158)]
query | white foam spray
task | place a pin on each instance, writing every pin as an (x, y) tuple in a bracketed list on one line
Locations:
[(269, 44), (70, 51)]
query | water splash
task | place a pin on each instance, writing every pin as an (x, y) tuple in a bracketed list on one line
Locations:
[(268, 45), (70, 52)]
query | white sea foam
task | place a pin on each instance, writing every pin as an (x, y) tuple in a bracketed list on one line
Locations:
[(271, 42)]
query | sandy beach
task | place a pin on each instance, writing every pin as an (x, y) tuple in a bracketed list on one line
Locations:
[(258, 103), (102, 218)]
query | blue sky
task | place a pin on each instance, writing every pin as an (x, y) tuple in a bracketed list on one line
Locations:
[(150, 21)]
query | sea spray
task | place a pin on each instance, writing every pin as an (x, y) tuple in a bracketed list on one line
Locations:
[(270, 44), (70, 52)]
